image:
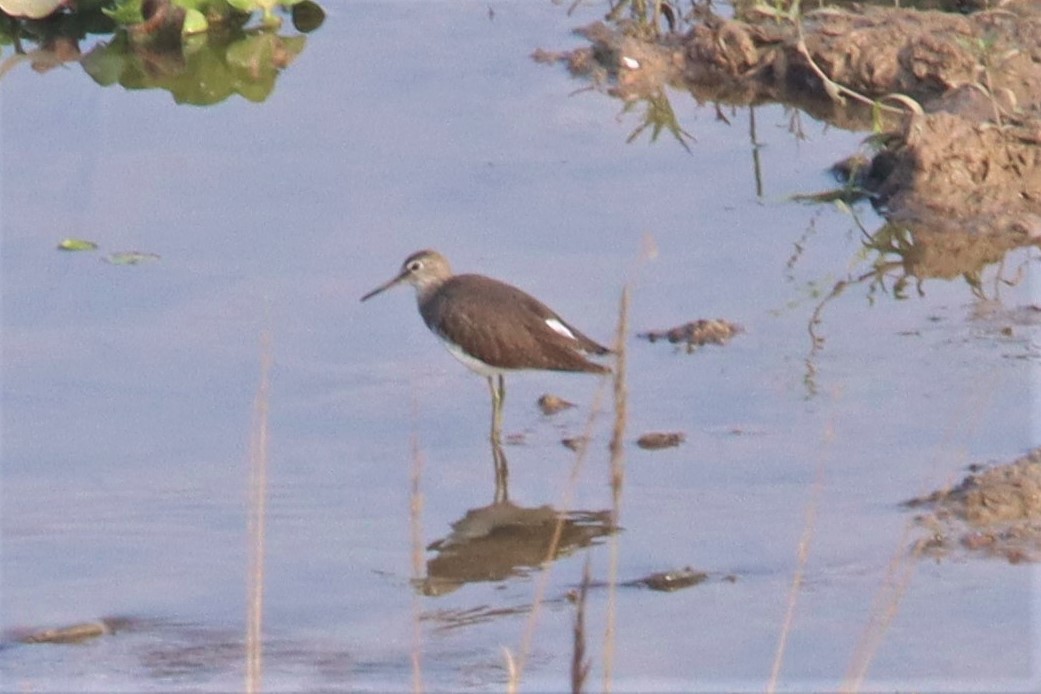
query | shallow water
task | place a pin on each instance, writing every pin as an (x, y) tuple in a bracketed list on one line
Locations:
[(127, 391)]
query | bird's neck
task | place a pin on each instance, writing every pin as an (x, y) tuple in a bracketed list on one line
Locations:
[(426, 289)]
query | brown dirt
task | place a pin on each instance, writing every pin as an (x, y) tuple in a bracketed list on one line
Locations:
[(994, 512), (963, 158)]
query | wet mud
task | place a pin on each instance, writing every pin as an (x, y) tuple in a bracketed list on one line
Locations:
[(954, 101), (696, 333), (951, 106), (994, 512)]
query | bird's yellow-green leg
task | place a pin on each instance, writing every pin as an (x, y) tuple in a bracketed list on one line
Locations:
[(502, 474), (497, 386), (498, 391)]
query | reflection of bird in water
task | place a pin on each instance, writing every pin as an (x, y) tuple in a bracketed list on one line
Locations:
[(492, 327), (503, 539)]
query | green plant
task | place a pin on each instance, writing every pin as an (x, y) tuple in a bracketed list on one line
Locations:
[(196, 16)]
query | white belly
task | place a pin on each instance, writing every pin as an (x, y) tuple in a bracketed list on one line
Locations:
[(475, 365)]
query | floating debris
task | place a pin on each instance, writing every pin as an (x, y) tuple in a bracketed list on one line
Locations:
[(668, 581), (575, 443), (130, 258), (75, 633), (77, 245), (661, 439), (518, 438), (551, 404), (697, 333)]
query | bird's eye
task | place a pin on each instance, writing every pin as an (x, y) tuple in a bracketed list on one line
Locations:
[(414, 266)]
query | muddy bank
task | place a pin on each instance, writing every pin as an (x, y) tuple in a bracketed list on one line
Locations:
[(995, 511), (959, 98)]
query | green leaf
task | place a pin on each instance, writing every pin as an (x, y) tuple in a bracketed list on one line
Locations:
[(77, 245), (270, 20), (188, 5), (105, 63), (246, 6), (194, 22), (125, 12), (130, 258)]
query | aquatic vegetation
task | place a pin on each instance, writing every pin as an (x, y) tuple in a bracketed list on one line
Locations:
[(196, 16), (201, 51)]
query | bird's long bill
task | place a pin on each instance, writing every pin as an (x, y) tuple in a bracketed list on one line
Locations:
[(385, 286)]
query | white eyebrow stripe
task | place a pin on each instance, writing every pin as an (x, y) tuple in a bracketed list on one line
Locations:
[(559, 328)]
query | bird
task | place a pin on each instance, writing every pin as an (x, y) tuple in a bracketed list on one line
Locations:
[(493, 328)]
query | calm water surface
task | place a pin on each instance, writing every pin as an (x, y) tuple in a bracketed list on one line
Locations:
[(127, 391)]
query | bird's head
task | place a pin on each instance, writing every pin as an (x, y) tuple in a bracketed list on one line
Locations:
[(425, 270)]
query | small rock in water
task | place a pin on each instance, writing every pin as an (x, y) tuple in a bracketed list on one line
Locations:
[(661, 439), (669, 581), (575, 443), (551, 404)]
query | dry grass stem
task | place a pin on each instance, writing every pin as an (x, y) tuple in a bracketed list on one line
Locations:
[(257, 513), (902, 565), (579, 660), (894, 586), (620, 409), (836, 91), (809, 525), (565, 505), (617, 479), (512, 676), (415, 509)]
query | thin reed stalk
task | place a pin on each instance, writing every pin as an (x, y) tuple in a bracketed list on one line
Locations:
[(415, 508), (802, 557), (518, 662), (579, 660), (617, 480), (512, 676), (901, 568), (898, 577), (257, 514)]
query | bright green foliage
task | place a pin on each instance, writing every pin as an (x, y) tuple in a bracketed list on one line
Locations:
[(194, 22), (216, 65), (267, 8), (77, 245), (201, 14), (125, 12)]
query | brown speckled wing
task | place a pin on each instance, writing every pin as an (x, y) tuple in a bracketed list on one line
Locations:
[(505, 328)]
